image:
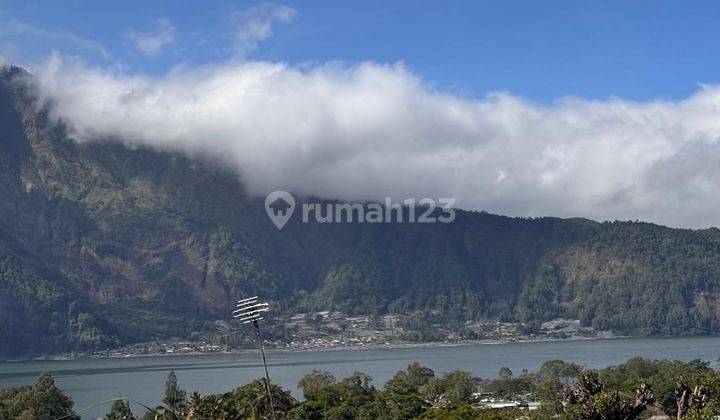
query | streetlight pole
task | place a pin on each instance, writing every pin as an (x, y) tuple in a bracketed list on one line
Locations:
[(250, 311)]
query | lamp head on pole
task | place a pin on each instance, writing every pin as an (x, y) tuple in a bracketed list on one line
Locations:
[(249, 310)]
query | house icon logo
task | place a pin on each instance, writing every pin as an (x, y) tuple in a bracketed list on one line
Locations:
[(279, 206)]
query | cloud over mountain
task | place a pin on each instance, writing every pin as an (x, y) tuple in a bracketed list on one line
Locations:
[(369, 130)]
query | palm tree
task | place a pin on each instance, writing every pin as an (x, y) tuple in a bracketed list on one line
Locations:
[(195, 406), (251, 401)]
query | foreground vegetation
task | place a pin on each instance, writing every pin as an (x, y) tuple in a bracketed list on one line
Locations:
[(636, 389)]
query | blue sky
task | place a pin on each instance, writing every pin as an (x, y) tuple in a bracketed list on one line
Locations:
[(636, 50)]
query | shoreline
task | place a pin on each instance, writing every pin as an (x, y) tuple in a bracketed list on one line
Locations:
[(432, 344)]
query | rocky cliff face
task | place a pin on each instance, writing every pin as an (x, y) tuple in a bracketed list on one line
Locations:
[(102, 243)]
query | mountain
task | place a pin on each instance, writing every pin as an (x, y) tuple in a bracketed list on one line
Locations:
[(103, 244)]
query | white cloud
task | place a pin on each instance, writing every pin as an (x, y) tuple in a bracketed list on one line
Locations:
[(150, 43), (252, 25), (370, 130), (10, 27)]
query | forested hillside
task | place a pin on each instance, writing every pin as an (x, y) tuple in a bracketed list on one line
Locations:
[(102, 244)]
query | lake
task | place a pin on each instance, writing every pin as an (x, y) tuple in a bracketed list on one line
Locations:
[(142, 379)]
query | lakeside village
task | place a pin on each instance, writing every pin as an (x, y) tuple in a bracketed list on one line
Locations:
[(330, 330)]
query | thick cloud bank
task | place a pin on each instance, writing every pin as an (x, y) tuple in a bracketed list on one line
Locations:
[(368, 131)]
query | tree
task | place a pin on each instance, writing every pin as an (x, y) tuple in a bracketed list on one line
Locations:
[(401, 395), (41, 401), (195, 406), (410, 380), (174, 401), (462, 412), (120, 410), (456, 388), (210, 407), (153, 414), (590, 400), (47, 401), (246, 402), (505, 373), (251, 401), (314, 382), (695, 398), (562, 372), (418, 375), (352, 397)]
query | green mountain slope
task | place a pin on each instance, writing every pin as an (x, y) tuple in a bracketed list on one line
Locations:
[(102, 244)]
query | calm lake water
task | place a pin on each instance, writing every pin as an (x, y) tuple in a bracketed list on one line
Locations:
[(142, 378)]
